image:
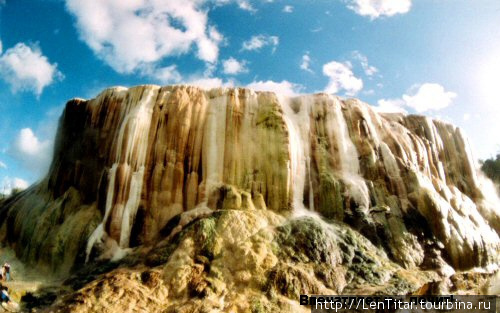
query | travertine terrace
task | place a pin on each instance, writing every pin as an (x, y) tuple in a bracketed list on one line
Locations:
[(130, 162)]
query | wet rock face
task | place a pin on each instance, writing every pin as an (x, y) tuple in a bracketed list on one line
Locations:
[(129, 161)]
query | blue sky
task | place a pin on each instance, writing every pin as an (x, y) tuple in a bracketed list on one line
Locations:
[(435, 57)]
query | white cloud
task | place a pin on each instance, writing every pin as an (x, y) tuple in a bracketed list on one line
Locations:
[(168, 74), (242, 4), (378, 8), (306, 61), (428, 97), (209, 82), (363, 60), (260, 41), (27, 143), (341, 77), (466, 116), (284, 87), (8, 184), (390, 106), (232, 66), (245, 5), (25, 68), (19, 183), (133, 35), (33, 153), (421, 98), (288, 9), (3, 165)]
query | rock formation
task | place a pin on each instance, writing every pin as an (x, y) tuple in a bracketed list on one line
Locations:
[(291, 187)]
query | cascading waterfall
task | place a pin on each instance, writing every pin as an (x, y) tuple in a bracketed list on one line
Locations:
[(99, 231), (214, 142), (348, 155), (297, 116), (297, 119), (131, 149), (130, 155)]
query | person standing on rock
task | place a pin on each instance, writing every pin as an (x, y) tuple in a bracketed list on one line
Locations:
[(6, 271)]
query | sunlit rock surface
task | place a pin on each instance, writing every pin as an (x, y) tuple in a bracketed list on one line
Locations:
[(131, 164)]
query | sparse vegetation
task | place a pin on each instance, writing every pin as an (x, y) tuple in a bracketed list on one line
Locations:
[(491, 167), (15, 191)]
